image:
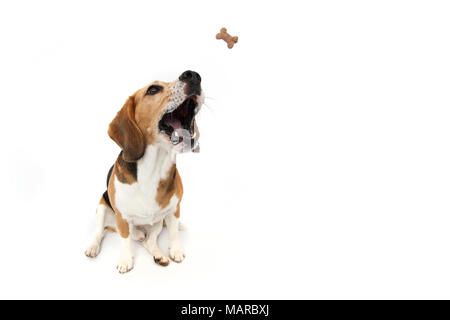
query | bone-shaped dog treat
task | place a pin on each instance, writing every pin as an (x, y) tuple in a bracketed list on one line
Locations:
[(223, 34)]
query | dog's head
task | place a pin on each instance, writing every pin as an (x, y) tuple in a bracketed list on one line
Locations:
[(163, 114)]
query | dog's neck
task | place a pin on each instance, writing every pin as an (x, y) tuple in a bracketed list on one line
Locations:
[(155, 163)]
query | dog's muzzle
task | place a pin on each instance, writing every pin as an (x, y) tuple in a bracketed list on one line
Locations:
[(178, 123)]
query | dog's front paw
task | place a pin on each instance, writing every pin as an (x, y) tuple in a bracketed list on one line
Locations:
[(125, 264), (176, 254), (93, 250), (162, 260)]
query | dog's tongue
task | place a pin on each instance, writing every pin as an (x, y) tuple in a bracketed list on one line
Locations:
[(174, 123)]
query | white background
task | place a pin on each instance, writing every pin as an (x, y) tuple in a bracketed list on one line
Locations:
[(324, 169)]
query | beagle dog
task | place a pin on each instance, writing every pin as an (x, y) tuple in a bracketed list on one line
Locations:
[(144, 187)]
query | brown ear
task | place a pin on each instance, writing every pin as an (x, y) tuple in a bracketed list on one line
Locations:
[(125, 132)]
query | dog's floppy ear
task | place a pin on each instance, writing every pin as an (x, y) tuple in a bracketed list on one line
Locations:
[(125, 132)]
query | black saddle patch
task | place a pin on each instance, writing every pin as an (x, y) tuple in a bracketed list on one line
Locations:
[(106, 197), (105, 194), (109, 176)]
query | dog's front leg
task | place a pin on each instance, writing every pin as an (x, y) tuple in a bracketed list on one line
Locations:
[(151, 244), (125, 263), (175, 250)]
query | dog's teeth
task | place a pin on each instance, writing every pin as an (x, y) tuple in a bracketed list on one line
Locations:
[(174, 138)]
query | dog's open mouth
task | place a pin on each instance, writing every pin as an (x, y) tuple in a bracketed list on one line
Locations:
[(180, 118)]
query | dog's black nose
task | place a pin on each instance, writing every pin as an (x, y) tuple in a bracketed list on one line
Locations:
[(190, 77)]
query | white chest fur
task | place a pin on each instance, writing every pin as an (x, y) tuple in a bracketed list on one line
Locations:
[(137, 202)]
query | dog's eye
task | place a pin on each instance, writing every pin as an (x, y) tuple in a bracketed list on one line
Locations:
[(153, 90)]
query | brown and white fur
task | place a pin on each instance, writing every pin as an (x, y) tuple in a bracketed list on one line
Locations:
[(144, 187)]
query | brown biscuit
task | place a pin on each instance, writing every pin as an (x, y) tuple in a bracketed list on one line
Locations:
[(223, 34)]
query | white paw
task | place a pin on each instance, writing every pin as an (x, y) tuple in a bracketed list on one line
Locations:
[(162, 260), (157, 254), (93, 250), (125, 264), (177, 254)]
